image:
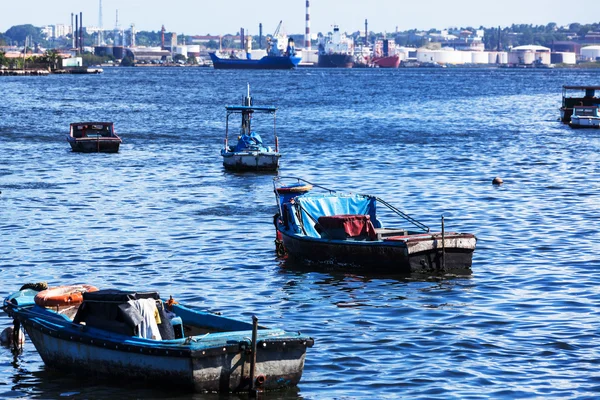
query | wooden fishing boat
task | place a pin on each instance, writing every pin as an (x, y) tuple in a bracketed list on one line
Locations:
[(577, 96), (93, 137), (116, 333), (249, 153), (344, 229)]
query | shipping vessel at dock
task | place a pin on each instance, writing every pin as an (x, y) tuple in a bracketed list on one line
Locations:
[(384, 54), (337, 51)]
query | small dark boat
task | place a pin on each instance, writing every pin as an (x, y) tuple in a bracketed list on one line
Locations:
[(344, 229), (93, 137), (118, 334), (250, 153)]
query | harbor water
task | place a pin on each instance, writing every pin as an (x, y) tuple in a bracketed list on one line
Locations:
[(163, 214)]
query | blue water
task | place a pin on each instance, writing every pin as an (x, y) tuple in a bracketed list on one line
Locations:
[(163, 214)]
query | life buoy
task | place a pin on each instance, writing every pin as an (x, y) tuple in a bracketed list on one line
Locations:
[(294, 188), (63, 295)]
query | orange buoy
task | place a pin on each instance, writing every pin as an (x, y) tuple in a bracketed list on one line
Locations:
[(497, 181), (67, 295)]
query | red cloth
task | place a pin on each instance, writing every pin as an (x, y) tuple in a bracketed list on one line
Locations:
[(353, 225)]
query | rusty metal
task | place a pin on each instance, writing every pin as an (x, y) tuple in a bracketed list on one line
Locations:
[(253, 356), (443, 246)]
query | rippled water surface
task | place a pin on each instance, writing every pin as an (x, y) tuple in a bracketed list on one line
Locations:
[(163, 214)]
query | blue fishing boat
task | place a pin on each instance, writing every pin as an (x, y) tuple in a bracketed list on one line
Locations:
[(345, 229), (138, 336), (250, 153)]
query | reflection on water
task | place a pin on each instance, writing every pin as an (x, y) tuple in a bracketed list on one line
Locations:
[(163, 214)]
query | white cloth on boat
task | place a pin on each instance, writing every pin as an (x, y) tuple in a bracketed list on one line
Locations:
[(148, 328)]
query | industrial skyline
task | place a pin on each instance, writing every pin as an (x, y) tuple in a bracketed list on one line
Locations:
[(204, 17)]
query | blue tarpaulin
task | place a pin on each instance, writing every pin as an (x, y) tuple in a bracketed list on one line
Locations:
[(317, 205)]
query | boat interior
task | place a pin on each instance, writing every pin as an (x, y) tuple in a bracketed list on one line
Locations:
[(144, 314), (91, 130)]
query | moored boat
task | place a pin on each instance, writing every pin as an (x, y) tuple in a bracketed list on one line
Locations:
[(337, 51), (577, 96), (250, 153), (384, 54), (93, 137), (116, 334), (585, 117), (344, 229)]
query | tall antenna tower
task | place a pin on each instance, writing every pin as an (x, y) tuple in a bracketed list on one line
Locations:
[(100, 30), (307, 30)]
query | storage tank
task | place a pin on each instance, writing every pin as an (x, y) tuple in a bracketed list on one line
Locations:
[(445, 57), (425, 55), (590, 53), (479, 57)]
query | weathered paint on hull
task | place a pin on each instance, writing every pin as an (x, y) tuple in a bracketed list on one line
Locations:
[(422, 256), (210, 370), (251, 161), (95, 146)]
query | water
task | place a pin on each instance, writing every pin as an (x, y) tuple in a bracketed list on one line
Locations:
[(163, 214)]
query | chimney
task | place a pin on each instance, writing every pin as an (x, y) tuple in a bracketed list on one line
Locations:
[(307, 32), (72, 33), (366, 32), (81, 32), (260, 35), (76, 33)]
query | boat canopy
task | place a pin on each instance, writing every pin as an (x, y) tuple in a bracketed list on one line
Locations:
[(264, 109), (313, 206), (581, 87)]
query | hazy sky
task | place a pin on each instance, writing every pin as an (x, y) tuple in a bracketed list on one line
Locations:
[(219, 17)]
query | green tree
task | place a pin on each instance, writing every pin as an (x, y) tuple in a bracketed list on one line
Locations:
[(18, 33)]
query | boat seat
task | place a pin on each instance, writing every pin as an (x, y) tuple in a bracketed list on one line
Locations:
[(384, 233)]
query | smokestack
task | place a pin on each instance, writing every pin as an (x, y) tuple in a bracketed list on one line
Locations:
[(81, 31), (72, 33), (76, 33), (242, 38), (162, 40), (307, 31), (260, 35), (366, 33)]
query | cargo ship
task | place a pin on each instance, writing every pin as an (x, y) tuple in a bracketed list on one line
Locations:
[(276, 58), (384, 54), (337, 51)]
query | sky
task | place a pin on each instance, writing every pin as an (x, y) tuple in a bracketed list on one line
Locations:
[(202, 17)]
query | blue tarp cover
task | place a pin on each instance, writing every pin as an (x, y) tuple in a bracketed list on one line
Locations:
[(328, 204), (253, 141)]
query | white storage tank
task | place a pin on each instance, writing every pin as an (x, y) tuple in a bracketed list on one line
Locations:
[(445, 57), (479, 57), (425, 55), (590, 53)]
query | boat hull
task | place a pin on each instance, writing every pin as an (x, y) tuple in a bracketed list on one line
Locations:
[(90, 145), (251, 161), (267, 62), (407, 254), (219, 371), (584, 122), (387, 62), (335, 60)]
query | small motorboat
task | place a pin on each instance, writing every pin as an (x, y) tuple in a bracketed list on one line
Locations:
[(585, 117), (138, 336), (577, 96), (93, 137), (345, 229), (249, 153)]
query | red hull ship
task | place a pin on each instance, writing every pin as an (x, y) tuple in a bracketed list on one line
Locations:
[(384, 54), (387, 62)]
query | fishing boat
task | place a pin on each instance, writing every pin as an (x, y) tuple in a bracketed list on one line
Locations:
[(250, 153), (336, 51), (577, 96), (93, 137), (129, 335), (585, 117), (345, 229)]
